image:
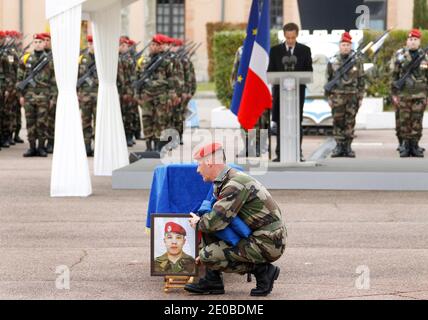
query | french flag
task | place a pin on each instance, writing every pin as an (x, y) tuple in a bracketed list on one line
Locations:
[(244, 64), (257, 94)]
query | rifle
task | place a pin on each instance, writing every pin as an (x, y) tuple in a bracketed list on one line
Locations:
[(350, 62), (90, 71), (26, 48), (399, 84), (150, 70), (44, 60), (191, 54), (139, 54), (7, 46)]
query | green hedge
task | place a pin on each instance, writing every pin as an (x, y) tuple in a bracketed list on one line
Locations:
[(226, 43)]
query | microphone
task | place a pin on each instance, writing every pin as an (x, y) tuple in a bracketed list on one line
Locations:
[(289, 62)]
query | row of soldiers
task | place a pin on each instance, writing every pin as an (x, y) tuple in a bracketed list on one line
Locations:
[(11, 50), (161, 84), (409, 91)]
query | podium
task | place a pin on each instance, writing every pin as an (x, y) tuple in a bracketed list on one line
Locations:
[(289, 83)]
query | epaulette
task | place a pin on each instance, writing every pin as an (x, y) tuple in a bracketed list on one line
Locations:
[(25, 57)]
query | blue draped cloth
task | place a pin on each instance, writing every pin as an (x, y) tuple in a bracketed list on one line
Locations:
[(178, 188)]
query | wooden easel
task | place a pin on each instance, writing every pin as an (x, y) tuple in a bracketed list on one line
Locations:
[(176, 282)]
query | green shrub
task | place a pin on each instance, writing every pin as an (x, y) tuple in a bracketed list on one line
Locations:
[(226, 43), (420, 14)]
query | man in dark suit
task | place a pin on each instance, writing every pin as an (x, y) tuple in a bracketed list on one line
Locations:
[(289, 56)]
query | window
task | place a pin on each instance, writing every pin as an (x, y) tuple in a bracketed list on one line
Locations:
[(378, 9), (276, 13), (170, 16)]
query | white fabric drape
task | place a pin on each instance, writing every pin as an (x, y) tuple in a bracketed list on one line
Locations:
[(70, 170), (111, 151)]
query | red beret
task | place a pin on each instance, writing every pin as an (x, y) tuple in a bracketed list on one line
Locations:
[(38, 36), (90, 38), (124, 39), (131, 42), (178, 42), (2, 35), (346, 37), (207, 150), (174, 227), (157, 38), (415, 33), (46, 35)]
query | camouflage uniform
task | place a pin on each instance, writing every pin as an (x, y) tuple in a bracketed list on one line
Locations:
[(10, 103), (190, 86), (345, 99), (413, 96), (156, 94), (50, 134), (88, 94), (185, 265), (38, 96), (125, 93), (177, 113), (6, 84), (240, 195)]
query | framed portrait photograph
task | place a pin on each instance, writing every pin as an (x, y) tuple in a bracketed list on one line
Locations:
[(174, 245)]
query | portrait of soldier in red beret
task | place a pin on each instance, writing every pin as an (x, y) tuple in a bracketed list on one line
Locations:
[(174, 261)]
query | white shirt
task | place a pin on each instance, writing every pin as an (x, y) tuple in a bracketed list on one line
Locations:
[(292, 49)]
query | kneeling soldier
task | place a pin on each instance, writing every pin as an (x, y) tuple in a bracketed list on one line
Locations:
[(240, 195)]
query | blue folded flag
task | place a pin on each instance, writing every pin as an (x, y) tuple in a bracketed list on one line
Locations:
[(237, 229)]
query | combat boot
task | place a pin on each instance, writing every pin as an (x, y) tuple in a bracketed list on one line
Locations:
[(212, 283), (50, 146), (405, 149), (17, 138), (338, 151), (400, 144), (265, 274), (11, 141), (129, 141), (5, 142), (415, 151), (32, 152), (348, 152), (89, 151), (41, 151)]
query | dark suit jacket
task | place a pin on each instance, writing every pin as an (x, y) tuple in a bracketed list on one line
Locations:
[(304, 63)]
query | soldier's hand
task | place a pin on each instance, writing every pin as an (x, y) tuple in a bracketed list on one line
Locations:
[(22, 101), (198, 261), (194, 220), (6, 94), (396, 100)]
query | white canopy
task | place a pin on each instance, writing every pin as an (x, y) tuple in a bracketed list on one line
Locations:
[(70, 170)]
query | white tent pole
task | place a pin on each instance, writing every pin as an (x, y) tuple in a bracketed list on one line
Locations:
[(70, 170), (111, 151)]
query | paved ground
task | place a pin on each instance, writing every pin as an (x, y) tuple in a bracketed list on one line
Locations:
[(333, 237)]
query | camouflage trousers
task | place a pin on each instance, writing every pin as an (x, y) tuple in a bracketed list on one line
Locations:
[(50, 134), (344, 109), (397, 122), (36, 113), (136, 124), (7, 114), (88, 107), (17, 119), (263, 246), (178, 117), (148, 115), (127, 117), (411, 114), (163, 119)]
